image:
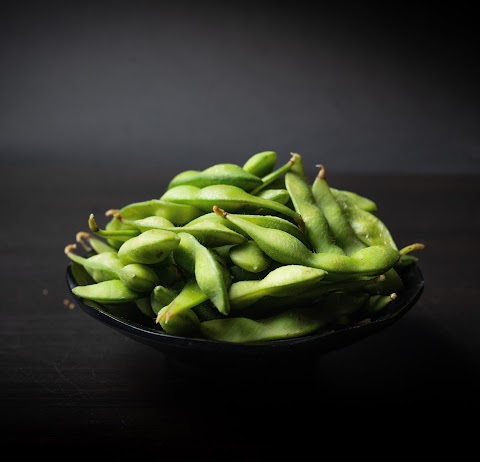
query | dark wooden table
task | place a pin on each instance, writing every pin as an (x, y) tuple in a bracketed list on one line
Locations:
[(67, 380)]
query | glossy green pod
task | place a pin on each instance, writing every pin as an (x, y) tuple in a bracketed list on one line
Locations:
[(261, 164), (138, 277), (250, 257), (178, 214), (287, 280), (225, 196), (212, 278), (190, 296), (107, 292), (267, 221), (209, 233), (338, 223), (285, 248), (316, 225), (367, 226), (149, 247), (277, 195), (360, 201), (160, 297), (101, 267), (229, 174), (292, 323)]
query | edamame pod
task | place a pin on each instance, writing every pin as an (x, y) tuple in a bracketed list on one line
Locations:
[(360, 201), (107, 292), (191, 295), (316, 225), (185, 323), (367, 226), (145, 306), (138, 277), (225, 196), (250, 257), (178, 214), (271, 177), (261, 164), (295, 322), (285, 248), (230, 174), (338, 223), (121, 235), (212, 278), (101, 267), (277, 195), (160, 297), (287, 280), (209, 233), (150, 247), (107, 266), (90, 243), (267, 221), (376, 303)]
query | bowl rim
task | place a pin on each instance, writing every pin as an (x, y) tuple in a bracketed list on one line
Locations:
[(325, 339)]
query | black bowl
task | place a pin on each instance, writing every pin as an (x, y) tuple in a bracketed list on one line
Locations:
[(198, 353)]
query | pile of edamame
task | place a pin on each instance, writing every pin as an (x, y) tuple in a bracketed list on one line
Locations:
[(244, 253)]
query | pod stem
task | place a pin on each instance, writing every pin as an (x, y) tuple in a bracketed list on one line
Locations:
[(115, 234), (82, 237), (220, 212), (268, 179), (111, 212), (321, 175), (411, 248), (73, 256)]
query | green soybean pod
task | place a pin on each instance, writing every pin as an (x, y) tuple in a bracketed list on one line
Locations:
[(240, 274), (113, 226), (230, 174), (91, 243), (138, 277), (277, 195), (287, 280), (285, 248), (212, 278), (147, 223), (292, 323), (107, 292), (267, 180), (178, 214), (250, 257), (81, 275), (261, 164), (315, 296), (149, 247), (360, 201), (190, 296), (225, 196), (209, 233), (145, 306), (121, 234), (267, 221), (339, 225), (367, 226), (376, 303), (184, 324), (101, 267), (317, 227), (160, 297)]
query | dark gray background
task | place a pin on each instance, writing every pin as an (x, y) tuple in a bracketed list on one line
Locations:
[(187, 84)]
